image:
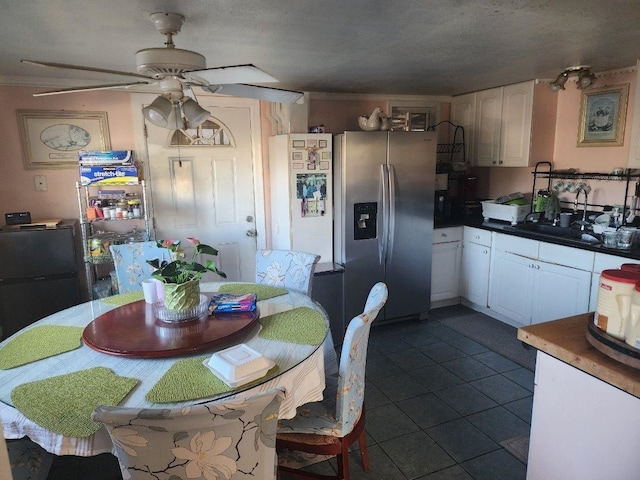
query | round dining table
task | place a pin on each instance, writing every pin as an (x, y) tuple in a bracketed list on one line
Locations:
[(301, 370)]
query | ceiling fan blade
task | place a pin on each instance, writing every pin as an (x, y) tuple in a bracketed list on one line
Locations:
[(232, 74), (89, 89), (82, 68), (253, 91)]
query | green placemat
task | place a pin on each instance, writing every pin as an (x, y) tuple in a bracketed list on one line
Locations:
[(124, 298), (262, 292), (190, 379), (300, 325), (38, 343), (63, 404)]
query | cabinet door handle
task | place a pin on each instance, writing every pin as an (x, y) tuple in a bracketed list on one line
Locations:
[(485, 251), (444, 235), (477, 237)]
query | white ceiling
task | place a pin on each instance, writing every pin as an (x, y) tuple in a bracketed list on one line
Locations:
[(417, 47)]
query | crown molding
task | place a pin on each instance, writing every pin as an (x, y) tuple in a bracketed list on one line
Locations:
[(377, 97)]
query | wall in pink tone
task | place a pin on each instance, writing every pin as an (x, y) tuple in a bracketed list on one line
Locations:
[(17, 186)]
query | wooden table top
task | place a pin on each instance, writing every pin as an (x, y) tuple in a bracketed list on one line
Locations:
[(132, 330), (566, 340)]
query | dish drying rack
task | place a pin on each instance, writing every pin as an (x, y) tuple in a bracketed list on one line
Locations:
[(544, 171), (454, 152)]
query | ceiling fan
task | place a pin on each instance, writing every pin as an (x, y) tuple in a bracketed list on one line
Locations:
[(171, 70)]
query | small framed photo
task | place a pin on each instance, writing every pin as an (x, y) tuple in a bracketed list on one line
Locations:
[(312, 143), (296, 156), (324, 165), (322, 144), (311, 166), (326, 155), (602, 116), (297, 166), (298, 144)]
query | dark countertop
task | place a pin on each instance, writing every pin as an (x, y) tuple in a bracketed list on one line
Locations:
[(508, 229)]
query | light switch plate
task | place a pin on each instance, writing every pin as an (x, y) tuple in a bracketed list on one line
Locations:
[(41, 183)]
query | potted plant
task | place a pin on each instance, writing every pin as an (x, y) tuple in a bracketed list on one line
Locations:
[(181, 278)]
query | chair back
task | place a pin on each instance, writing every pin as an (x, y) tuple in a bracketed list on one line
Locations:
[(130, 262), (233, 439), (286, 268), (353, 359)]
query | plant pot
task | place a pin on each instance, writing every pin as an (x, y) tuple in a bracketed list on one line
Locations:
[(180, 297)]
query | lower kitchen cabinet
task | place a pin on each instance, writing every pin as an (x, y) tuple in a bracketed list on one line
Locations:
[(445, 264), (512, 281), (476, 262), (540, 282)]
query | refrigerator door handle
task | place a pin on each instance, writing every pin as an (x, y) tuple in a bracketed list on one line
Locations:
[(384, 211), (391, 229)]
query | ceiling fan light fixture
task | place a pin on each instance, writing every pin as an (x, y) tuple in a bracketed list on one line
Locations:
[(158, 111), (175, 120), (194, 113)]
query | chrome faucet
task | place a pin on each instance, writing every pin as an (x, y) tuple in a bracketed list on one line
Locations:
[(583, 223)]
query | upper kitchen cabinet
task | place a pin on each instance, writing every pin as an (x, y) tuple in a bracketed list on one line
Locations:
[(514, 126)]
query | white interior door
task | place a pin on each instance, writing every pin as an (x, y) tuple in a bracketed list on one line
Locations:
[(207, 191)]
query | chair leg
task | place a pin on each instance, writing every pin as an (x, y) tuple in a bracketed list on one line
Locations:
[(364, 452), (343, 461)]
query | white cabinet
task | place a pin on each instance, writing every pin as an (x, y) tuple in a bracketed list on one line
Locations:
[(569, 441), (463, 113), (535, 282), (476, 260), (514, 125), (445, 264), (487, 127), (511, 291)]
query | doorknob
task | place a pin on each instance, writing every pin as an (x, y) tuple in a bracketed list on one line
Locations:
[(252, 232)]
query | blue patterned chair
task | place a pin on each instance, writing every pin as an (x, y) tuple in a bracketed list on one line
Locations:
[(329, 427), (130, 262), (286, 268), (294, 270), (28, 460), (228, 440)]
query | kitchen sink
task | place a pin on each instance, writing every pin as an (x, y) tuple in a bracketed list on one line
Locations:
[(571, 235)]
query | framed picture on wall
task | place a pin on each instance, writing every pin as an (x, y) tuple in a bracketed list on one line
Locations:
[(52, 139), (602, 116)]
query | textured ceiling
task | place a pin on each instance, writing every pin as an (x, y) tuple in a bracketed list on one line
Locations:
[(415, 47)]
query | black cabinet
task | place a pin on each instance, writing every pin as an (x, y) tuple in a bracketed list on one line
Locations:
[(38, 273)]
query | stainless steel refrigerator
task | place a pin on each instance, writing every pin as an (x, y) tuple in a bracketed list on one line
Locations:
[(383, 225)]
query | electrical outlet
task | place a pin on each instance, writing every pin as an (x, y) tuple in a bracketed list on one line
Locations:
[(41, 183)]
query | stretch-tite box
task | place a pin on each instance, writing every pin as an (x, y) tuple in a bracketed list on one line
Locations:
[(98, 175)]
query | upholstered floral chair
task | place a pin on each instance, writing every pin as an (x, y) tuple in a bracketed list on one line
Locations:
[(294, 270), (329, 427), (130, 262), (28, 460), (286, 268), (218, 440)]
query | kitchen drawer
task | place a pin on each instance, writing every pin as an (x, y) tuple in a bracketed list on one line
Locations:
[(446, 235), (604, 261), (519, 246), (567, 256), (477, 235)]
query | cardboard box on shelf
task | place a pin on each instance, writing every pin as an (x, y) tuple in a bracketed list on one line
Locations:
[(106, 157), (103, 175)]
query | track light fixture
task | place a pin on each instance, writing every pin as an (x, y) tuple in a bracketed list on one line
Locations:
[(585, 78), (176, 114)]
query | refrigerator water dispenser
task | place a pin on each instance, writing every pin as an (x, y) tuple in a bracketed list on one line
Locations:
[(365, 220)]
